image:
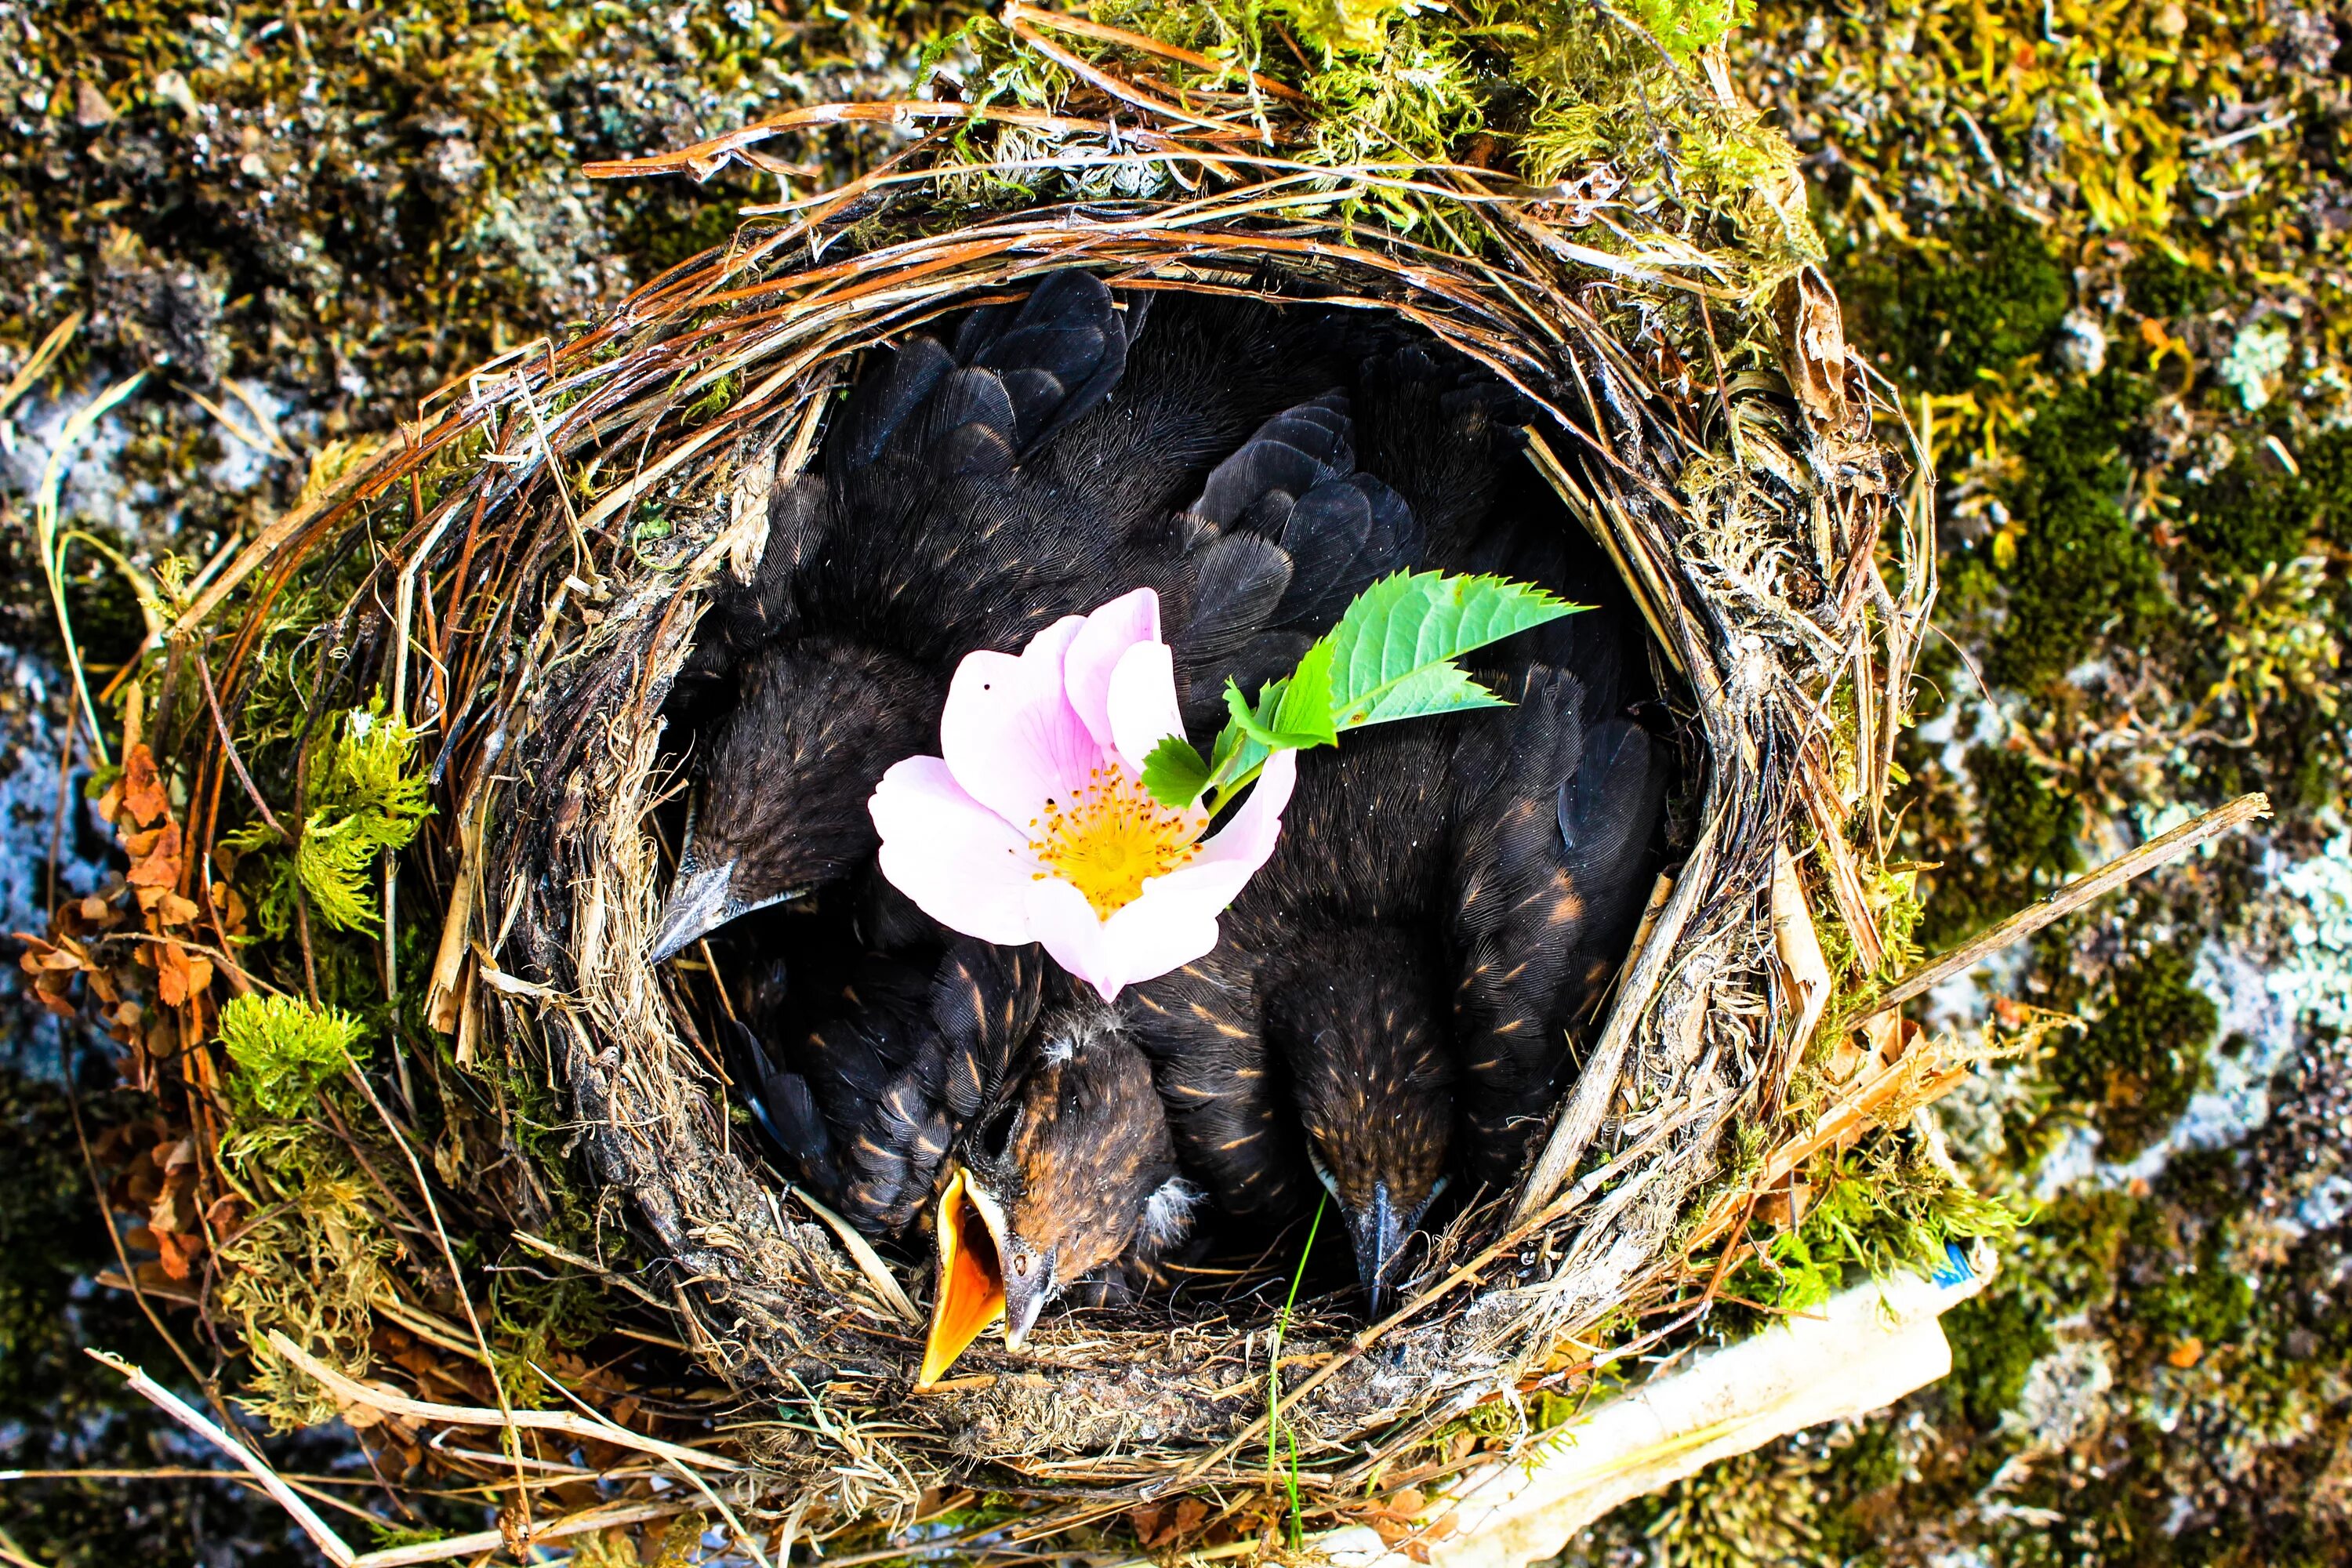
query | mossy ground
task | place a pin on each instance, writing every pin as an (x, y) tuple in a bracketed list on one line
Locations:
[(2100, 250), (2144, 550)]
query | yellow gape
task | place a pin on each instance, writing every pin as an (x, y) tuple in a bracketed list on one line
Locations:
[(970, 1295)]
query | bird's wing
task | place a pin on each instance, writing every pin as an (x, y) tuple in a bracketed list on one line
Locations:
[(869, 1128), (1292, 533), (1518, 916), (1608, 814), (1344, 535), (985, 1001), (1444, 431), (1226, 1099), (935, 525), (1289, 455), (1058, 356)]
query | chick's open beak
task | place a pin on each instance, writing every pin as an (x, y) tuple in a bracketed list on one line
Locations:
[(970, 1294)]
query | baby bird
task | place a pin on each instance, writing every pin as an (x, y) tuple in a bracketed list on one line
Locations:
[(1051, 460), (1069, 1183), (1397, 984), (866, 1103)]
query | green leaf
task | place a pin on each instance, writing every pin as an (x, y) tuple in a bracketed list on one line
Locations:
[(1305, 706), (1390, 652), (1175, 773), (1256, 724), (1431, 689)]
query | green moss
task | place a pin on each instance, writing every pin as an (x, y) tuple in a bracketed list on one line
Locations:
[(2031, 825), (2159, 285), (1986, 296), (2138, 1065), (2028, 828), (1995, 1337), (365, 798), (2254, 512), (2084, 570), (283, 1048), (2250, 516), (1880, 1207)]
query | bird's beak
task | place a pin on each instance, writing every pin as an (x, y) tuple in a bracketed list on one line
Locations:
[(698, 903), (1378, 1231), (1026, 1296), (970, 1294)]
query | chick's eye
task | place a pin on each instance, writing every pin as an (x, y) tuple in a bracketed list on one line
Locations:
[(1021, 1264)]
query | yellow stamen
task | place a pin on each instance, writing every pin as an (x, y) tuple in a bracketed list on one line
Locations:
[(1111, 838)]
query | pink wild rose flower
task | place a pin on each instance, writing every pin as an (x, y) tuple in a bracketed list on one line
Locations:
[(1035, 824)]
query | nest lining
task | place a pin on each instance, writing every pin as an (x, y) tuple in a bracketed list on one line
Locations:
[(1743, 516)]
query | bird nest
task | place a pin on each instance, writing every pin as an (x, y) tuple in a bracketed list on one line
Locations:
[(521, 577)]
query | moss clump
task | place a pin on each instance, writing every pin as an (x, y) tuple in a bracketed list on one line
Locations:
[(1989, 294), (2249, 516), (1543, 88), (1877, 1209), (2029, 832), (2139, 1063), (1996, 1338), (2082, 567), (2254, 514), (2161, 286), (363, 798), (284, 1048)]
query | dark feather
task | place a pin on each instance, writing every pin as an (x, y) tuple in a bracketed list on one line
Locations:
[(1228, 1100), (873, 1094)]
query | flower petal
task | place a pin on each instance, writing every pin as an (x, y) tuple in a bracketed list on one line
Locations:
[(1163, 929), (1143, 711), (1095, 653), (1231, 856), (962, 864), (1009, 735), (1066, 925)]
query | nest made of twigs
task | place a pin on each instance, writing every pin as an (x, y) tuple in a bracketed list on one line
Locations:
[(531, 607)]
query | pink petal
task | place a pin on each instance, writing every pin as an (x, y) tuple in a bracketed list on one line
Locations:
[(1164, 929), (962, 864), (1143, 711), (1231, 856), (1062, 921), (1096, 652), (1009, 735)]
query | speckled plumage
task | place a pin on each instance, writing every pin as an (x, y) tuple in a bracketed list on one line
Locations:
[(866, 1099), (967, 496), (1079, 1161)]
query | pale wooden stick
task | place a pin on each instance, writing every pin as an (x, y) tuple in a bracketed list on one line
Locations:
[(320, 1533), (1799, 946), (391, 1404), (487, 1541), (2070, 898)]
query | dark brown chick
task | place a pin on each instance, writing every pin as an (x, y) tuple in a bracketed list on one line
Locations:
[(865, 1096), (1071, 1181), (1395, 989)]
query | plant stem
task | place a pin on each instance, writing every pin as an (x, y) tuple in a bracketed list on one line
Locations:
[(1273, 1428)]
